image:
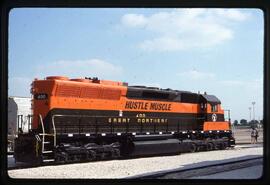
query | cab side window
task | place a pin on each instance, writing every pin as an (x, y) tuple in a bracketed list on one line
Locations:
[(214, 108), (203, 106)]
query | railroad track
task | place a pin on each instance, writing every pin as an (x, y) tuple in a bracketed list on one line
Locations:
[(202, 170)]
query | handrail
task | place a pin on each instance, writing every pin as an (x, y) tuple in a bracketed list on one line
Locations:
[(81, 116), (54, 131), (47, 134), (43, 131), (42, 125)]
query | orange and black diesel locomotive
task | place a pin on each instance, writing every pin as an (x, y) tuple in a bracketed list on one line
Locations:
[(90, 119)]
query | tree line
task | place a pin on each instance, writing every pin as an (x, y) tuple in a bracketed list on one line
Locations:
[(244, 122)]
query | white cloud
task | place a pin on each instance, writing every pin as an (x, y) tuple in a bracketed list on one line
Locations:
[(232, 14), (196, 75), (133, 20), (80, 68), (185, 29), (249, 84)]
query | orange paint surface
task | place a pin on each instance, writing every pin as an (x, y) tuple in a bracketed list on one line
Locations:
[(224, 125), (64, 93)]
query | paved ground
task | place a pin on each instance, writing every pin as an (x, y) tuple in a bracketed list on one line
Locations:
[(242, 135), (132, 167)]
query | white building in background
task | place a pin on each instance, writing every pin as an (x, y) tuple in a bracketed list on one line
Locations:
[(19, 109)]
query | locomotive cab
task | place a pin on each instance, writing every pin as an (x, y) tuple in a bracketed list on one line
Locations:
[(213, 113)]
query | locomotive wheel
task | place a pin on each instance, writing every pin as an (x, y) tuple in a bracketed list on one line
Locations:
[(216, 146), (193, 148), (221, 146), (225, 145), (62, 157), (59, 159), (76, 158), (91, 155), (209, 146), (102, 156), (115, 153)]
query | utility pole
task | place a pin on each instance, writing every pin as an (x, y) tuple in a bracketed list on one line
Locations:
[(231, 126), (253, 103), (229, 115)]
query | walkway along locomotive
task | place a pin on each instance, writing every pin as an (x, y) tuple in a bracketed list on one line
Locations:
[(91, 119)]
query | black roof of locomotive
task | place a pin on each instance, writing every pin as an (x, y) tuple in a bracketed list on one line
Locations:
[(211, 99), (143, 92), (168, 90)]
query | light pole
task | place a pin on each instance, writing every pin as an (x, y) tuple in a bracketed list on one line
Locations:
[(253, 103), (249, 113)]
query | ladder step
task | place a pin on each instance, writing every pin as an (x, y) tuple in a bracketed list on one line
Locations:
[(47, 134), (48, 151), (48, 160), (46, 142)]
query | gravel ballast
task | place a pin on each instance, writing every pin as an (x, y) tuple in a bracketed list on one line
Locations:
[(129, 167)]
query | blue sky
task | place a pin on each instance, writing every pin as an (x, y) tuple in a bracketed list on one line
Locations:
[(219, 51)]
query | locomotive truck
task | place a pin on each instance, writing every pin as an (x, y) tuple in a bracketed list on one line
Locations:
[(89, 119)]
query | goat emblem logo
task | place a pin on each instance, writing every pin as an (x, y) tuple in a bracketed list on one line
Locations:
[(214, 117)]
